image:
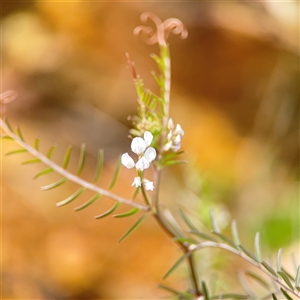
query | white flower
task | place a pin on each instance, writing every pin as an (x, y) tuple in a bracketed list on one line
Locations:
[(137, 182), (173, 140), (148, 185), (150, 154), (142, 164), (148, 137), (127, 161), (140, 146)]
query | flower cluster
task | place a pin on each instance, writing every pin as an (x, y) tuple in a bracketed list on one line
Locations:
[(146, 154), (174, 137)]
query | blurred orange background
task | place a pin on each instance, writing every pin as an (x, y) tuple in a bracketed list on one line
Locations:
[(235, 92)]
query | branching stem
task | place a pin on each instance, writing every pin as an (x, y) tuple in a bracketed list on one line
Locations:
[(67, 174)]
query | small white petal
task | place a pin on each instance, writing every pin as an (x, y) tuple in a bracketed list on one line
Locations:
[(179, 130), (177, 139), (138, 145), (150, 154), (127, 161), (137, 182), (148, 185), (169, 136), (167, 146), (148, 137), (142, 164), (170, 124)]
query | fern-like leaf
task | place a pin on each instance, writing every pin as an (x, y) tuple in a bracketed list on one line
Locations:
[(258, 279), (51, 151), (19, 132), (127, 214), (108, 212), (54, 184), (116, 174), (99, 166), (67, 157), (257, 247), (133, 228), (44, 172), (177, 264), (81, 159), (89, 202), (37, 144), (16, 152), (72, 197)]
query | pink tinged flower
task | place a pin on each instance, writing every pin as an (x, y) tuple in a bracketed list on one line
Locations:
[(148, 185), (137, 182), (138, 145), (127, 161), (148, 137), (142, 164), (150, 154)]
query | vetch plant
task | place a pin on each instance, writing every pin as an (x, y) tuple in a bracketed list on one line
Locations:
[(156, 142)]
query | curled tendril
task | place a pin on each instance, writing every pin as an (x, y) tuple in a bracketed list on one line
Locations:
[(163, 29), (5, 98)]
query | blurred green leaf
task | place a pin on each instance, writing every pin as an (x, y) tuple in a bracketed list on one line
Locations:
[(37, 143), (16, 152), (67, 157), (54, 185), (285, 279), (108, 212), (51, 150), (205, 290), (127, 214), (235, 234), (89, 202), (19, 132), (183, 295), (99, 166), (186, 220), (44, 172), (203, 235), (72, 197), (230, 296), (258, 279), (286, 295), (81, 159), (297, 280), (257, 247), (133, 228), (8, 124), (176, 265), (31, 161), (269, 268), (115, 176), (249, 253), (274, 297)]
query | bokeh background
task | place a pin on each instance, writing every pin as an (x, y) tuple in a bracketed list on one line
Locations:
[(235, 91)]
